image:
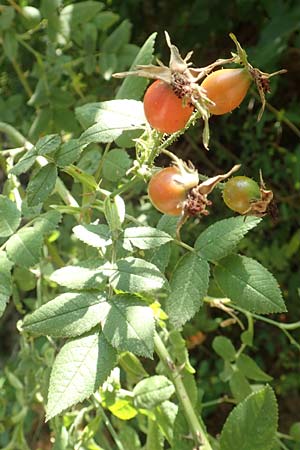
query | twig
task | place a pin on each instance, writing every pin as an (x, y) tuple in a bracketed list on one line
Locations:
[(197, 429)]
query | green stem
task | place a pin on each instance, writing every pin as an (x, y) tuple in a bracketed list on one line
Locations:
[(280, 116), (282, 326), (285, 436), (13, 152), (126, 186), (22, 78), (15, 6), (197, 430), (100, 165), (218, 401), (110, 427), (15, 136), (281, 444)]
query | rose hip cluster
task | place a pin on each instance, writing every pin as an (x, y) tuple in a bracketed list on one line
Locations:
[(180, 94)]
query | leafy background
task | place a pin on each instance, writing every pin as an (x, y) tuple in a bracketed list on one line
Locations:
[(52, 62)]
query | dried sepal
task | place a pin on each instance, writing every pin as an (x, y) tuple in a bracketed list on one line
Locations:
[(197, 202), (261, 79), (188, 176), (265, 205)]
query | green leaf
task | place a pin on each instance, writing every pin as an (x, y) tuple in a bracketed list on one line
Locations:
[(181, 431), (94, 235), (5, 264), (227, 372), (152, 391), (145, 237), (6, 17), (250, 369), (67, 315), (189, 284), (160, 257), (239, 386), (81, 12), (85, 275), (120, 36), (155, 439), (178, 347), (224, 347), (165, 415), (129, 438), (129, 325), (123, 409), (111, 119), (80, 368), (24, 164), (42, 121), (252, 424), (41, 184), (132, 366), (127, 138), (10, 217), (295, 431), (24, 247), (248, 284), (247, 337), (48, 144), (5, 289), (114, 211), (115, 164), (10, 45), (135, 275), (221, 238), (24, 278), (47, 222), (104, 20), (68, 153), (133, 87), (83, 177), (108, 63)]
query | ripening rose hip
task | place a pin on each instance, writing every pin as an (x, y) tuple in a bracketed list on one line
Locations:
[(165, 111), (169, 187), (240, 192), (227, 88)]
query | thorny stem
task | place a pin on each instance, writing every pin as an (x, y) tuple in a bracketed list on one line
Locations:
[(197, 429)]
